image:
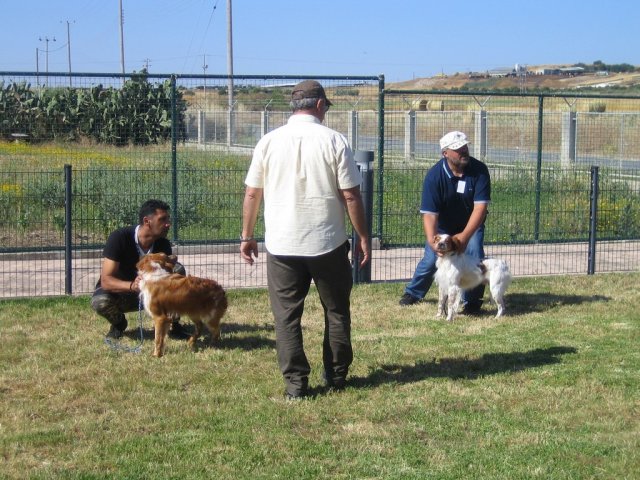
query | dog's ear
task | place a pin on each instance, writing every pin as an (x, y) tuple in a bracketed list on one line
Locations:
[(456, 245)]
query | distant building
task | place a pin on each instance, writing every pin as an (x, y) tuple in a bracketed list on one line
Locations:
[(501, 72), (520, 69), (546, 71), (559, 71), (478, 74), (571, 71)]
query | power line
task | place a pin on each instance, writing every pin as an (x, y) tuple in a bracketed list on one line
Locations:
[(204, 36)]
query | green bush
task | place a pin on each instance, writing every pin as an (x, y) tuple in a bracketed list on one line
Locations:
[(137, 114)]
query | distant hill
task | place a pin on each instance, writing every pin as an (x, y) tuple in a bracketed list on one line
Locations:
[(593, 82)]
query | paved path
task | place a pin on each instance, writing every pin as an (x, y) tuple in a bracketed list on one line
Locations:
[(42, 274)]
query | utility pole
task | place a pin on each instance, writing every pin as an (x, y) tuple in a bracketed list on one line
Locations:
[(230, 126), (69, 49), (46, 40), (37, 67), (121, 39)]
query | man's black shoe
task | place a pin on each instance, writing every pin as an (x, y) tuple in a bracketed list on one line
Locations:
[(471, 309), (118, 327), (179, 331), (295, 397), (333, 385), (115, 333), (336, 385), (408, 299)]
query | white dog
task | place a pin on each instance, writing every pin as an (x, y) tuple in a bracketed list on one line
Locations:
[(459, 271)]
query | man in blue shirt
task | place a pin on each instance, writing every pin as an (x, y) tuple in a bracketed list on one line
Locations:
[(455, 196)]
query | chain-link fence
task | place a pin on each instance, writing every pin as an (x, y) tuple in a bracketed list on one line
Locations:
[(78, 161), (112, 142), (548, 207)]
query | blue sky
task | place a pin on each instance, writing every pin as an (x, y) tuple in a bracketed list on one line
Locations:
[(400, 39)]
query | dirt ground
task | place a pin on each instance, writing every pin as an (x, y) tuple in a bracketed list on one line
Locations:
[(42, 274)]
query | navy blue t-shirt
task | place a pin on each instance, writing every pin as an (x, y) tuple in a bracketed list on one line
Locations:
[(121, 247), (452, 197)]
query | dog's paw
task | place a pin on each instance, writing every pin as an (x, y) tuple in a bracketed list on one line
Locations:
[(192, 343)]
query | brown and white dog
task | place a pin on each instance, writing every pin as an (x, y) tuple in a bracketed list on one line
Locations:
[(459, 271), (165, 295)]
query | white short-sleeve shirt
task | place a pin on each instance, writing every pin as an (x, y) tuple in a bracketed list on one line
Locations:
[(301, 167)]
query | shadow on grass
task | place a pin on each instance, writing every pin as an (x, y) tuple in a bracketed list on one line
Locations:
[(522, 303), (463, 368), (228, 342)]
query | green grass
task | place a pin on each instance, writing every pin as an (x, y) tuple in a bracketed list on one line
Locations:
[(550, 391)]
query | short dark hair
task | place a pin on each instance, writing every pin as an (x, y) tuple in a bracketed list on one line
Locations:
[(303, 104), (149, 208)]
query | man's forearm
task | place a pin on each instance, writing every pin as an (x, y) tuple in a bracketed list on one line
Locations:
[(475, 221), (429, 223), (250, 207), (116, 285), (355, 210)]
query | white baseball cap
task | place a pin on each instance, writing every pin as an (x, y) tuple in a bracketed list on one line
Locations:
[(453, 141)]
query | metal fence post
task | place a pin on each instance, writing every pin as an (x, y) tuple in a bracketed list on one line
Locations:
[(410, 135), (364, 159), (201, 127), (264, 123), (352, 129), (68, 267), (568, 142), (380, 156), (593, 219), (483, 133), (536, 227), (174, 160)]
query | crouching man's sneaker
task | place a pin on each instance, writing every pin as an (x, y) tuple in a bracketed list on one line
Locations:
[(117, 328), (408, 299), (179, 331), (115, 333)]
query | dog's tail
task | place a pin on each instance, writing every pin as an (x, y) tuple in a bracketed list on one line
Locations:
[(498, 271)]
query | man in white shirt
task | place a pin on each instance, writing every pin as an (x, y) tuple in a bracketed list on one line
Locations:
[(307, 175)]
